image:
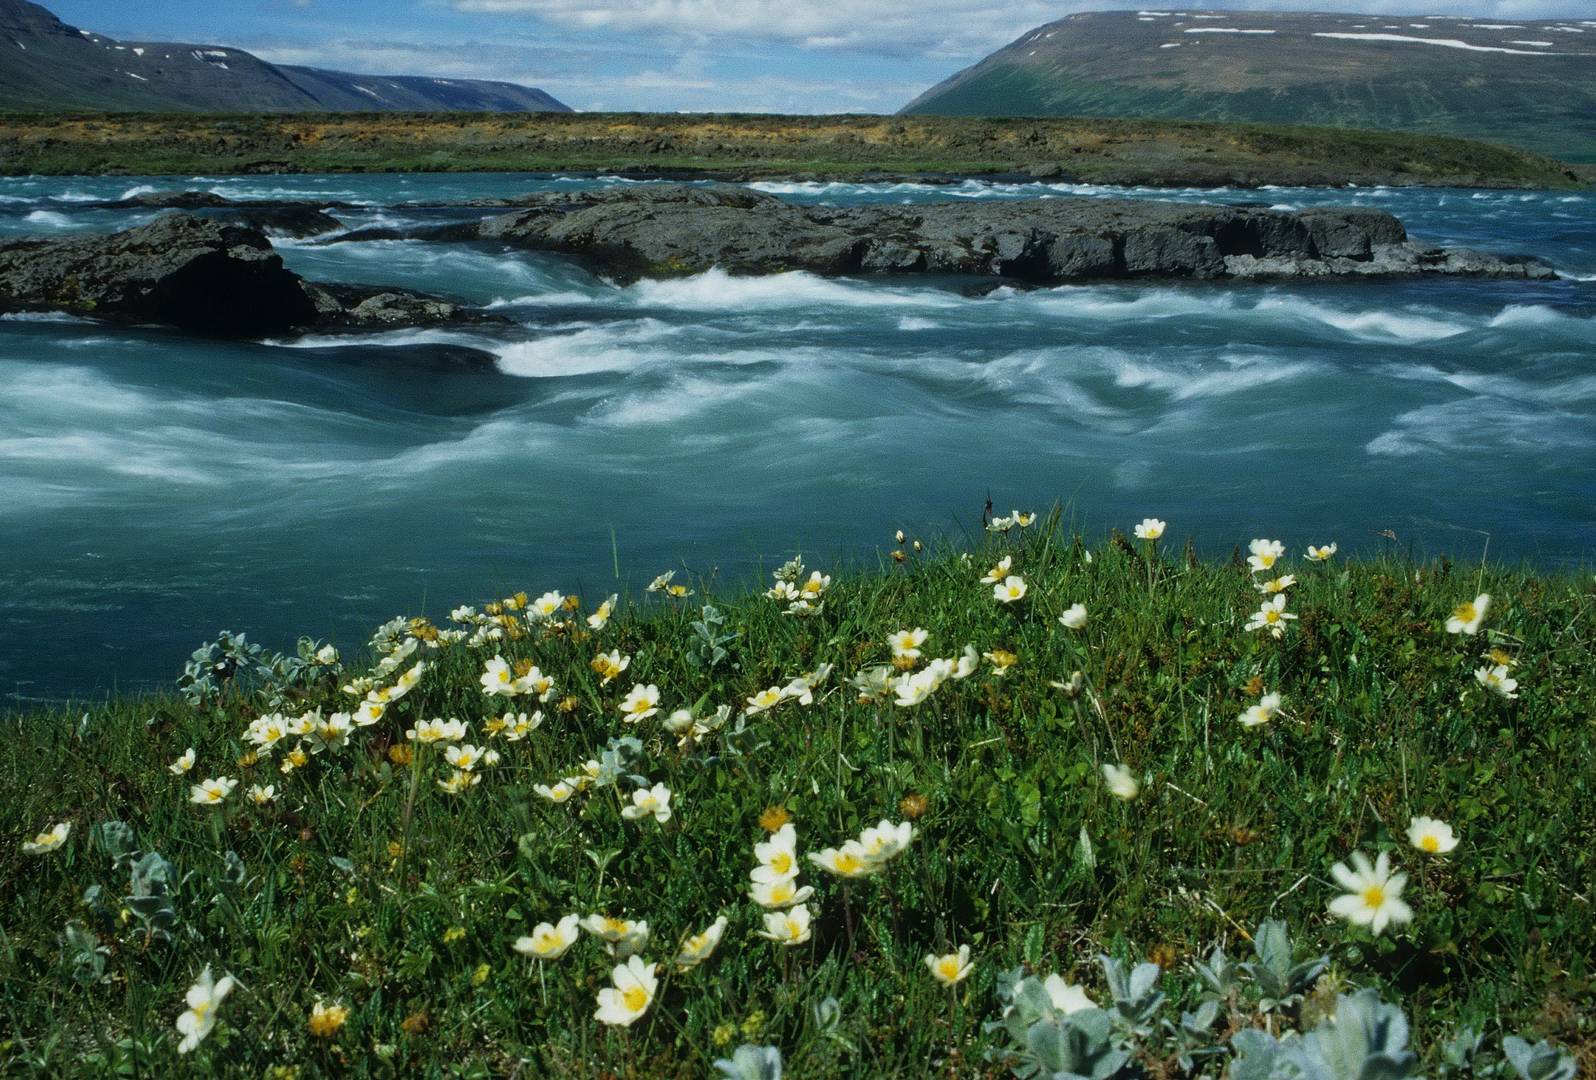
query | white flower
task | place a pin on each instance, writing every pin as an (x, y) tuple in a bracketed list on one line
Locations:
[(549, 941), (212, 792), (1066, 997), (1321, 554), (1263, 712), (1467, 616), (545, 606), (183, 764), (696, 949), (1011, 589), (641, 703), (1074, 617), (790, 927), (1000, 524), (661, 583), (767, 698), (913, 689), (327, 655), (200, 1017), (464, 757), (48, 840), (1432, 835), (998, 572), (517, 726), (1276, 585), (780, 893), (437, 730), (1265, 553), (968, 663), (1271, 616), (848, 861), (631, 996), (883, 841), (498, 679), (802, 688), (623, 936), (260, 796), (778, 857), (876, 683), (557, 794), (1498, 680), (906, 644), (266, 731), (1022, 520), (1150, 529), (1122, 783), (601, 615), (950, 968), (1374, 894), (645, 801)]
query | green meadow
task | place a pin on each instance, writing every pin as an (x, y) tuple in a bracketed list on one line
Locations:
[(1089, 826)]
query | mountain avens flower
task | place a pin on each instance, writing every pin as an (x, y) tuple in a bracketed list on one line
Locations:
[(199, 1018), (1431, 835), (549, 941), (632, 994), (1467, 616), (1374, 893), (950, 968), (49, 840)]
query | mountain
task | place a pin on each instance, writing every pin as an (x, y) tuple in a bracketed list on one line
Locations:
[(1529, 84), (48, 65)]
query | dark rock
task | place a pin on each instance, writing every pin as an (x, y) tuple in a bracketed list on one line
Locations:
[(293, 221), (199, 274), (669, 229), (184, 271)]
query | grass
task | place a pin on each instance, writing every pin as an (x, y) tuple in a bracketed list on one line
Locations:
[(1021, 852), (1156, 152)]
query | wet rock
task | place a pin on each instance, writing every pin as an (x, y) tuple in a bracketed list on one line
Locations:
[(670, 229), (199, 274)]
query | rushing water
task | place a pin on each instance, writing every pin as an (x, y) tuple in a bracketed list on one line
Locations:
[(156, 488)]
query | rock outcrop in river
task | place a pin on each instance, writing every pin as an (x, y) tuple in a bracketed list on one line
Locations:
[(678, 229), (198, 274), (218, 274)]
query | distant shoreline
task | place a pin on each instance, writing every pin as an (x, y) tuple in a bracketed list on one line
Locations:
[(745, 148)]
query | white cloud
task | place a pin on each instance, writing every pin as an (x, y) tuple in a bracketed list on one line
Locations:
[(936, 29)]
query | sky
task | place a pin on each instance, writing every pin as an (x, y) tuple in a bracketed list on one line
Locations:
[(792, 56)]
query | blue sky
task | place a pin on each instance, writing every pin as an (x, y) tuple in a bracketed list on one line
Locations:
[(698, 55)]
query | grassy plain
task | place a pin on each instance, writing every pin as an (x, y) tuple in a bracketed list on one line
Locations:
[(759, 147), (337, 891)]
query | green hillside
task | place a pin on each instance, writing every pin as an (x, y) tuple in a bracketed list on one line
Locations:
[(1528, 84)]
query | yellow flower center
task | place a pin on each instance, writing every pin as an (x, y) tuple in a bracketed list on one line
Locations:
[(793, 929), (1374, 896), (782, 892), (1429, 842), (848, 863), (781, 863), (200, 1010), (615, 926), (1465, 612), (948, 967), (1271, 616), (636, 998)]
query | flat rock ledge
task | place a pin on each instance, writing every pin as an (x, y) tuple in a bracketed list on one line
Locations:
[(673, 229), (203, 275)]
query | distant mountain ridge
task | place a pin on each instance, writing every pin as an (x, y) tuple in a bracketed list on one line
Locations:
[(1524, 83), (49, 65)]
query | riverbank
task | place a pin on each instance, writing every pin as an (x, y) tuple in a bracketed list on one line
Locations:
[(371, 872), (743, 148)]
